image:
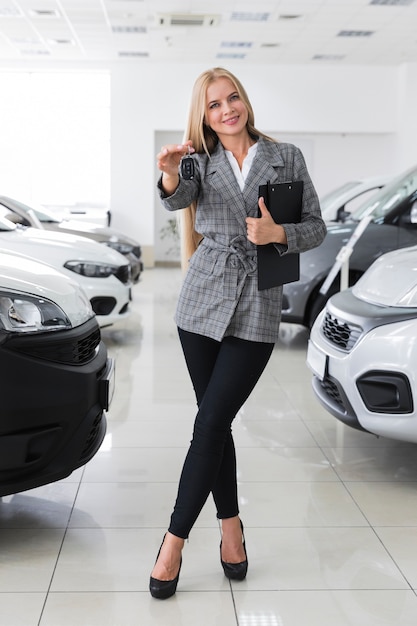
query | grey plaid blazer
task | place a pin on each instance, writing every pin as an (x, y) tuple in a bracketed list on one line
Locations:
[(220, 295)]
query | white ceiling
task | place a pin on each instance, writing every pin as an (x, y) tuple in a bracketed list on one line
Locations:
[(366, 32)]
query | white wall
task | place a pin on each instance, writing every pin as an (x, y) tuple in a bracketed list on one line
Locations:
[(354, 119)]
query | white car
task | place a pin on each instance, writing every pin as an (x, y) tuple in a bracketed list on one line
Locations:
[(39, 217), (103, 273), (340, 202), (363, 350), (56, 378)]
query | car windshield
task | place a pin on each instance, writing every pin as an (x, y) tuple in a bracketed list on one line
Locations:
[(6, 224), (389, 197), (330, 198), (41, 213)]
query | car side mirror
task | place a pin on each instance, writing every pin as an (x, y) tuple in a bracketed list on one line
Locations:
[(342, 215)]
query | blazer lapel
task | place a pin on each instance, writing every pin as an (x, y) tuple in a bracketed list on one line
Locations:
[(264, 167), (220, 176)]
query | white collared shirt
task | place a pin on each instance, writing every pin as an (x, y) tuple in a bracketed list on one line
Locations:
[(241, 174)]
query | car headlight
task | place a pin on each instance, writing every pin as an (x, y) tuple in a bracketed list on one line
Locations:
[(92, 270), (23, 314), (120, 246)]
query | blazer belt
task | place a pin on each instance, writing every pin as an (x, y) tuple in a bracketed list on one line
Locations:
[(235, 256)]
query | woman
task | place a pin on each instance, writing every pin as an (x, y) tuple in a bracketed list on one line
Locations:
[(227, 327)]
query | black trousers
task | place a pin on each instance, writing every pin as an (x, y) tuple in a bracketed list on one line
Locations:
[(223, 375)]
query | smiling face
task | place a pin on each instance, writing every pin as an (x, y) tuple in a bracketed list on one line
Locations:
[(226, 113)]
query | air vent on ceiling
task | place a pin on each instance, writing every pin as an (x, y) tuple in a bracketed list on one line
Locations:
[(44, 13), (355, 33), (392, 2), (187, 19), (328, 57)]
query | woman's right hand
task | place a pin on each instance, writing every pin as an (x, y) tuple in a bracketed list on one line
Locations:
[(168, 159)]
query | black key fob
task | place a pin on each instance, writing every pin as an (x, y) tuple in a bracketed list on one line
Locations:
[(187, 167)]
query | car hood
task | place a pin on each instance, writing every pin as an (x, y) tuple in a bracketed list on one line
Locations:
[(51, 247), (104, 233), (391, 280), (26, 275)]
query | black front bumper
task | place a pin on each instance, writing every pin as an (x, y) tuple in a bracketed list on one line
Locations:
[(55, 389)]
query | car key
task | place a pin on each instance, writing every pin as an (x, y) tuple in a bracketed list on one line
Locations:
[(187, 166)]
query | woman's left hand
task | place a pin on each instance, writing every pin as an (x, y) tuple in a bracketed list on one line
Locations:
[(262, 230)]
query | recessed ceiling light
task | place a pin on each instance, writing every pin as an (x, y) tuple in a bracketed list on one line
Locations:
[(236, 44), (230, 55), (328, 57), (355, 33), (129, 29), (133, 54), (10, 11), (61, 42), (35, 52), (25, 41), (392, 2), (245, 16)]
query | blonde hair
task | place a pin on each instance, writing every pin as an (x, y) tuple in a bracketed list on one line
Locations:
[(205, 140)]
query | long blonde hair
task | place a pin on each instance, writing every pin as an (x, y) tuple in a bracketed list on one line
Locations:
[(205, 140)]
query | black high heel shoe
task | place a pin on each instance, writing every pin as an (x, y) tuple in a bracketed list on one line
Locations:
[(163, 589), (235, 571)]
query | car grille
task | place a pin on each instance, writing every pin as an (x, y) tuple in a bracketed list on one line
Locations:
[(61, 347), (91, 441), (123, 274), (340, 333), (332, 390)]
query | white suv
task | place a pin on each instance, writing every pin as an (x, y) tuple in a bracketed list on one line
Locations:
[(57, 380), (363, 349)]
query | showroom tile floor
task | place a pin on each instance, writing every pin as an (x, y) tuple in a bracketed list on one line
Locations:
[(330, 513)]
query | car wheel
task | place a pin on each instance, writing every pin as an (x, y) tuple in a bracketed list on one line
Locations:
[(318, 302)]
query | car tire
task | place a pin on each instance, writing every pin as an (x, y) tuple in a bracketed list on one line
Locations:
[(318, 302)]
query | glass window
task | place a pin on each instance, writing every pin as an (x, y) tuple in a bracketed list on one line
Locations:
[(391, 195), (55, 130)]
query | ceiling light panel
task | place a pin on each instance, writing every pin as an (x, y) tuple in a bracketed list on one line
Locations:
[(9, 10), (355, 33), (397, 3), (247, 16)]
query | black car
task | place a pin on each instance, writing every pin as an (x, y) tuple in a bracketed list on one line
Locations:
[(55, 375), (393, 225)]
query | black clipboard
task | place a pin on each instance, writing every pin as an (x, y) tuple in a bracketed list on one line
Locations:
[(284, 201)]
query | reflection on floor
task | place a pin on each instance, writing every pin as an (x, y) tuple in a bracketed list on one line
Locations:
[(330, 513)]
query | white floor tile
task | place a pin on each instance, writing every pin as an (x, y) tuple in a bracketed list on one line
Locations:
[(325, 608), (28, 558), (21, 609), (298, 504), (319, 558), (137, 609)]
